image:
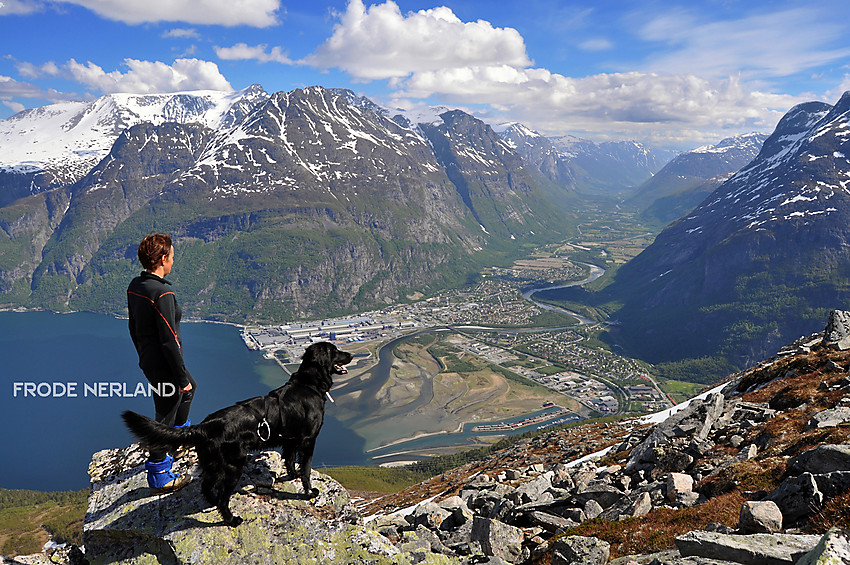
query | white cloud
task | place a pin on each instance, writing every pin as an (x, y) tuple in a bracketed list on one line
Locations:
[(688, 93), (11, 89), (32, 71), (380, 42), (20, 7), (182, 33), (243, 51), (834, 94), (630, 105), (257, 13), (598, 44), (12, 105), (758, 46), (145, 77)]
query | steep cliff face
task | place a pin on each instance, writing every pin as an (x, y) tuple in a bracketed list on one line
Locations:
[(141, 162), (489, 175), (761, 258)]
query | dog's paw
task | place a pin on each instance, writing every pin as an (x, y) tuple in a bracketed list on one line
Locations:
[(235, 521), (312, 493)]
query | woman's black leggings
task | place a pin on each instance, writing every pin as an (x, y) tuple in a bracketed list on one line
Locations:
[(172, 410)]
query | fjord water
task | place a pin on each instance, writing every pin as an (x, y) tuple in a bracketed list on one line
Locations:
[(47, 441)]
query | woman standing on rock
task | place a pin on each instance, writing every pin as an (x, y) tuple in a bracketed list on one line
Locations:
[(155, 330)]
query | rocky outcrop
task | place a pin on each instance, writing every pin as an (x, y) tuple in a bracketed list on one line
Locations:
[(125, 524), (832, 549)]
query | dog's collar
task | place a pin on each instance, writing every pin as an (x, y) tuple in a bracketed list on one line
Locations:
[(314, 389)]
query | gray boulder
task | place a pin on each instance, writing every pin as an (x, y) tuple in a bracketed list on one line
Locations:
[(551, 522), (837, 332), (764, 549), (830, 418), (805, 494), (592, 509), (604, 494), (642, 506), (430, 515), (822, 459), (760, 517), (579, 550), (533, 490), (694, 421), (498, 539)]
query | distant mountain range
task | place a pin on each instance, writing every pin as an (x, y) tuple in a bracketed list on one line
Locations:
[(582, 165), (686, 180), (761, 259), (296, 203), (58, 144)]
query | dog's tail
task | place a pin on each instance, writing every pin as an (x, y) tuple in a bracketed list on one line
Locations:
[(151, 433)]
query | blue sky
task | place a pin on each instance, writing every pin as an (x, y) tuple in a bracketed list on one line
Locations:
[(673, 75)]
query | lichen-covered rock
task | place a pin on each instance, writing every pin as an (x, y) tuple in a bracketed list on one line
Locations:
[(832, 549), (498, 539), (579, 550), (125, 524), (764, 549), (837, 332)]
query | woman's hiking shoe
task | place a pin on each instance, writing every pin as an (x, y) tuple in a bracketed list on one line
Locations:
[(161, 479), (178, 482)]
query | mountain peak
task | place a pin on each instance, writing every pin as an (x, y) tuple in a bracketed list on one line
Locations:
[(772, 239), (66, 140)]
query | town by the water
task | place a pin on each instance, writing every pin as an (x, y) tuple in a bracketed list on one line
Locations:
[(494, 321)]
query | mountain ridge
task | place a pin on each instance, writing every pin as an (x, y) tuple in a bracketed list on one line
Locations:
[(56, 145), (363, 206), (582, 165), (686, 180), (763, 255)]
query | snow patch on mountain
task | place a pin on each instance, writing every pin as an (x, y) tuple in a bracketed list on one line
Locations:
[(68, 139)]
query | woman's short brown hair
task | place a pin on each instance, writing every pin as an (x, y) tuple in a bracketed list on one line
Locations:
[(154, 247)]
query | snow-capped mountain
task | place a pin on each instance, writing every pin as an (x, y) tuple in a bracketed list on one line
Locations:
[(58, 144), (761, 258), (582, 164), (683, 182), (313, 202)]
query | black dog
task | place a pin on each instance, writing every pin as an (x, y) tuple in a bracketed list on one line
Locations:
[(289, 417)]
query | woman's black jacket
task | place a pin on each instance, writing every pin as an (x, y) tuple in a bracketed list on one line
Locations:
[(155, 329)]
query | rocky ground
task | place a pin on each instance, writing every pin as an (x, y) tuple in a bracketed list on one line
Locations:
[(756, 471)]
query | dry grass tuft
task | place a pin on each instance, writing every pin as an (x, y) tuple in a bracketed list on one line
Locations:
[(658, 530), (835, 513), (750, 475)]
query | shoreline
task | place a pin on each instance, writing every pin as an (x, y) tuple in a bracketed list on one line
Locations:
[(417, 436), (25, 310), (459, 430)]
